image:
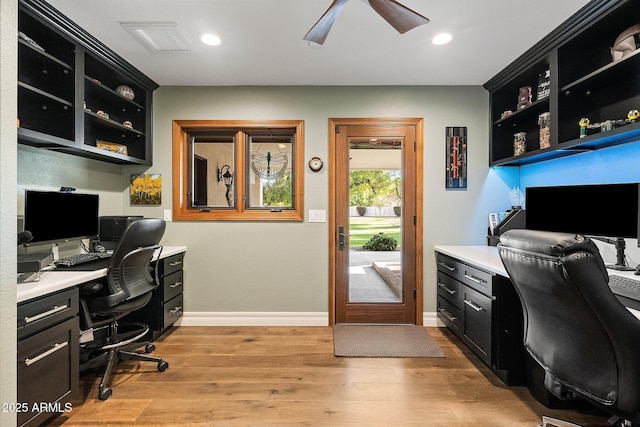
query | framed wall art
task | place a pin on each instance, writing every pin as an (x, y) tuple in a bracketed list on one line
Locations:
[(146, 189), (456, 157)]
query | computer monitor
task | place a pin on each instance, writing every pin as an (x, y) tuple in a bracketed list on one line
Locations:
[(606, 212), (57, 217)]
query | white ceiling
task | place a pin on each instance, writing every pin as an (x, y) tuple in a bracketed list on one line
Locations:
[(262, 40)]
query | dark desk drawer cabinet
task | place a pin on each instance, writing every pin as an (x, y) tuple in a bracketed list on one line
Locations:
[(483, 310), (165, 307), (477, 324), (47, 356)]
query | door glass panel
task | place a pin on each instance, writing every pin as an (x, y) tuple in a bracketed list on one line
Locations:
[(375, 226)]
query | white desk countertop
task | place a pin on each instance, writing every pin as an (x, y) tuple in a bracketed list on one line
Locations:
[(487, 258), (54, 281), (484, 257)]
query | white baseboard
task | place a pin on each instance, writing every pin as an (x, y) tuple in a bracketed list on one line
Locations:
[(431, 319), (254, 319), (271, 319)]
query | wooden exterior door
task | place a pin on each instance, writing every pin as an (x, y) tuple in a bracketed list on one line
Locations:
[(376, 286)]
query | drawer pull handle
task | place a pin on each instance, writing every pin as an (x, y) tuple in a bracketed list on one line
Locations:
[(444, 288), (56, 347), (175, 285), (471, 304), (55, 309), (173, 264), (446, 266), (175, 309), (474, 279), (446, 314)]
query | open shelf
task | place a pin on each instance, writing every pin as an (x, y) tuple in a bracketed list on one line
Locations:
[(585, 82), (65, 76)]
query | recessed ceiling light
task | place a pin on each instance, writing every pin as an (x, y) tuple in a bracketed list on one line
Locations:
[(210, 39), (442, 38)]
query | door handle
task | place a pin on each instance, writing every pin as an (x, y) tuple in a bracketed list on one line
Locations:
[(341, 237)]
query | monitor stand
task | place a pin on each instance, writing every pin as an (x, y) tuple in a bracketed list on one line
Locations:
[(621, 260)]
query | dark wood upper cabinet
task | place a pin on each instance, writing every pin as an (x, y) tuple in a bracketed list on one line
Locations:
[(584, 82), (68, 91)]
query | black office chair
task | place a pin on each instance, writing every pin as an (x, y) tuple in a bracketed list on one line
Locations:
[(127, 288), (586, 341)]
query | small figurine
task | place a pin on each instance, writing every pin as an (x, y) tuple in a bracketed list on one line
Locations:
[(584, 124), (633, 115)]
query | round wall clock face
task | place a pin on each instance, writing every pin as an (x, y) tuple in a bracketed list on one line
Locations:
[(315, 164)]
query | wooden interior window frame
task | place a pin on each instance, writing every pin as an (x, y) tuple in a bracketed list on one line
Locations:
[(181, 185)]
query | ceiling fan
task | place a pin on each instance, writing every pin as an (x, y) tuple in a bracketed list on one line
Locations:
[(400, 17)]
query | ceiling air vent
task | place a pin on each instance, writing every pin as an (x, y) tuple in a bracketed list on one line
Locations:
[(159, 37)]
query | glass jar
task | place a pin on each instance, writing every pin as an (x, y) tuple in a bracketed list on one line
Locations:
[(519, 143), (544, 120)]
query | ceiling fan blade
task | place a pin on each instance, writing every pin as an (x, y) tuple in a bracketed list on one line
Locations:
[(319, 32), (400, 17)]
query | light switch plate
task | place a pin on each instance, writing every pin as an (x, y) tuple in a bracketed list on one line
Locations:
[(317, 215), (167, 214)]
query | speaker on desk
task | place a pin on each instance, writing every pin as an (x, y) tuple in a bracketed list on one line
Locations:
[(111, 229)]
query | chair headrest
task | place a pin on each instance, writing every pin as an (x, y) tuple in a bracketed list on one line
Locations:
[(548, 243)]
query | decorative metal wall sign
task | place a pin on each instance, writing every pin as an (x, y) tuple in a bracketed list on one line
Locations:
[(456, 161)]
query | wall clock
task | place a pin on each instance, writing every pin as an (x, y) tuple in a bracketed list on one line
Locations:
[(315, 164)]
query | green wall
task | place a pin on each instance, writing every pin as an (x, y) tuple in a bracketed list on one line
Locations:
[(283, 267)]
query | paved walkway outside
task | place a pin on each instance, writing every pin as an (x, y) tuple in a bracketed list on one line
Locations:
[(365, 284)]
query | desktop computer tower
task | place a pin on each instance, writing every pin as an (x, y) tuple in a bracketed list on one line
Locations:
[(111, 229)]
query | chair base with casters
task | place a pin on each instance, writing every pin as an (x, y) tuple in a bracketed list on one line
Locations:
[(114, 345), (128, 287)]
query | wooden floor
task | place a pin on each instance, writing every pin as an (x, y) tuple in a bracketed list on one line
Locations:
[(288, 376)]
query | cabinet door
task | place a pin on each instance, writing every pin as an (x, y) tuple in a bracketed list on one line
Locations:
[(477, 323), (48, 371)]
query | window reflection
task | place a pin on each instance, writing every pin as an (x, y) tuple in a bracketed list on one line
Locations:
[(211, 153)]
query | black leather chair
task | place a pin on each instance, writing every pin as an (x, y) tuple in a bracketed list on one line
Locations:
[(586, 341), (128, 287)]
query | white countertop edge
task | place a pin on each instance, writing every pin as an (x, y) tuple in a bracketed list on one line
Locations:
[(54, 281)]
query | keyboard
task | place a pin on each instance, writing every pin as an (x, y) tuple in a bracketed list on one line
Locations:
[(625, 286), (81, 258)]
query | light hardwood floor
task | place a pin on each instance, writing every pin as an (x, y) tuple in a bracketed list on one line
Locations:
[(288, 376)]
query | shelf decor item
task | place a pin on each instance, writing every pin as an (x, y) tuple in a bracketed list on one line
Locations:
[(456, 161), (125, 92), (544, 85), (112, 146), (544, 120), (524, 97), (626, 43), (519, 143)]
